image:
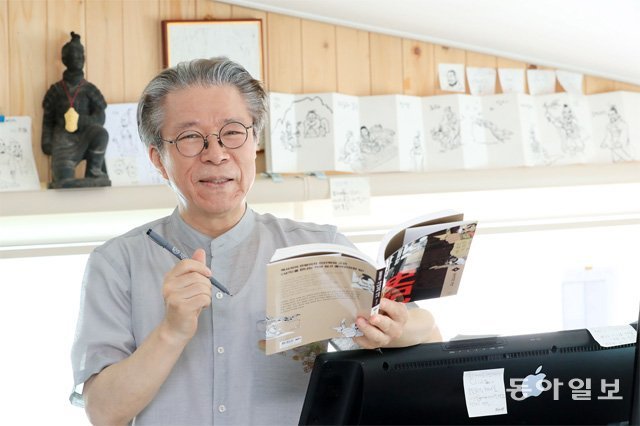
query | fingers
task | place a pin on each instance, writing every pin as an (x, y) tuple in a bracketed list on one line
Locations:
[(382, 328), (186, 291)]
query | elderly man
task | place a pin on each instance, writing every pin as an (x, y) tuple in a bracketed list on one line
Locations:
[(156, 343)]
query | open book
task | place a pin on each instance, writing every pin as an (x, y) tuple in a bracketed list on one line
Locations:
[(316, 291)]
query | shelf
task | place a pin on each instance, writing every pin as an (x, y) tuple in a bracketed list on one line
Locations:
[(304, 188)]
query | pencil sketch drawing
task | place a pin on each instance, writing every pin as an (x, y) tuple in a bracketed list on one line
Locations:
[(562, 117), (616, 137)]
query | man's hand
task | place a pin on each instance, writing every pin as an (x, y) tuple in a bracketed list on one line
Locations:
[(384, 327), (186, 292)]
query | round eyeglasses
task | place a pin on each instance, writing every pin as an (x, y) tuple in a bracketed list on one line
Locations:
[(191, 143)]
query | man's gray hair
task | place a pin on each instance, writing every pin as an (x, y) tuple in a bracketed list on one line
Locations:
[(218, 71)]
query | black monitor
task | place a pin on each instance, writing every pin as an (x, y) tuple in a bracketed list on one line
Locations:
[(432, 383), (635, 398)]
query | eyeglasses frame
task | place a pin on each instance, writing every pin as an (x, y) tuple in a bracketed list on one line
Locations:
[(206, 139)]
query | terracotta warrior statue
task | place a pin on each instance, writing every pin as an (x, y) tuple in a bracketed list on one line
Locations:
[(72, 126)]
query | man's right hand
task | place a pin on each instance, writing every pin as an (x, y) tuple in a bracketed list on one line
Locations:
[(186, 292)]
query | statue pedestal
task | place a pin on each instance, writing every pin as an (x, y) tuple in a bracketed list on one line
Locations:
[(80, 183)]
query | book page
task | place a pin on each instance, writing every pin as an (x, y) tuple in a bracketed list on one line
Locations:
[(315, 298)]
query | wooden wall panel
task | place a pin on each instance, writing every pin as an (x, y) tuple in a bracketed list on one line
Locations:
[(319, 69), (386, 64), (5, 86), (598, 85), (238, 12), (122, 40), (177, 9), (353, 62), (63, 16), (142, 50), (207, 9), (418, 70), (104, 48), (285, 53), (27, 68), (626, 86)]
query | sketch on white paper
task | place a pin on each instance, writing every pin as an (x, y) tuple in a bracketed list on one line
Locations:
[(17, 165), (451, 77), (571, 82), (564, 120), (482, 81), (446, 132), (391, 133), (310, 132), (239, 40), (616, 137), (565, 125), (615, 133), (512, 80), (127, 158), (541, 82)]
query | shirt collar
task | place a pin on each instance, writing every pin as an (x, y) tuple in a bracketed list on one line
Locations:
[(191, 239)]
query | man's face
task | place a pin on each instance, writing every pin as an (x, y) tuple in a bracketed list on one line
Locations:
[(214, 184)]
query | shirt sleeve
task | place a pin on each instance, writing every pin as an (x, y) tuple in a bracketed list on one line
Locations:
[(104, 333)]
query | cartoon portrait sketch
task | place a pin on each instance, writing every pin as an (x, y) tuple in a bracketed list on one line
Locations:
[(315, 126), (563, 118), (350, 331), (447, 133), (451, 77), (300, 121), (616, 137)]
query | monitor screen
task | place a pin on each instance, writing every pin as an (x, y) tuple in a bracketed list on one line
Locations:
[(563, 377)]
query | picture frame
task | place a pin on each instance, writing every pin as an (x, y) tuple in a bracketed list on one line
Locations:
[(238, 39)]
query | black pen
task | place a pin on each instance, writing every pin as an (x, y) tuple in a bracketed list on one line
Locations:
[(177, 253)]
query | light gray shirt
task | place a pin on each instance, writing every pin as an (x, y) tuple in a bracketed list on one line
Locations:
[(223, 376)]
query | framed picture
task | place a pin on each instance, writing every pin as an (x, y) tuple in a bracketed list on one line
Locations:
[(238, 39)]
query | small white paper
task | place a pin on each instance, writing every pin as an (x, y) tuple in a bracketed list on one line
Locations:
[(484, 392), (571, 82), (17, 165), (452, 77), (614, 335), (127, 158), (350, 196), (512, 80), (541, 82), (482, 81)]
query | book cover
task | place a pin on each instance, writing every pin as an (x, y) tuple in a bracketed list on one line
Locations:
[(316, 291)]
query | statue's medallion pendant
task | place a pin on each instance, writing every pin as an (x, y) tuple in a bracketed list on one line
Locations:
[(71, 120)]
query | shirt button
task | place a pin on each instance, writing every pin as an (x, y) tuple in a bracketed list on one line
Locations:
[(220, 350), (222, 408), (219, 295)]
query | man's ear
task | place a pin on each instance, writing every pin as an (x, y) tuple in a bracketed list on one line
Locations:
[(156, 159)]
